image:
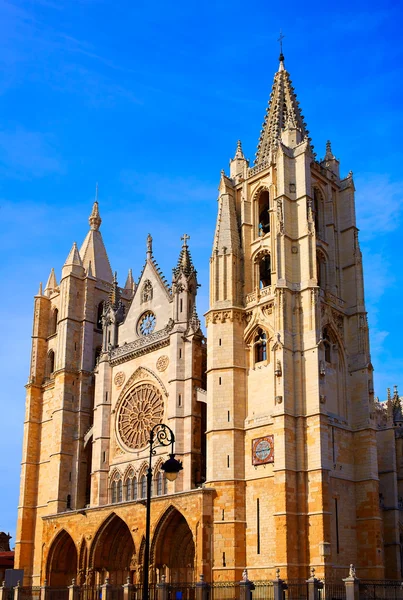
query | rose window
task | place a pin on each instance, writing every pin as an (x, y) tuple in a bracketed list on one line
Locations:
[(147, 323), (141, 409)]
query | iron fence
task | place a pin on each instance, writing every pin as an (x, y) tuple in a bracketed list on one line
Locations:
[(263, 590), (90, 592), (382, 589), (224, 590), (297, 589), (30, 593), (57, 593), (333, 590)]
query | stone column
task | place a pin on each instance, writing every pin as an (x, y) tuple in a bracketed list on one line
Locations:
[(314, 585), (3, 591), (202, 589), (17, 591), (127, 590), (45, 591), (105, 590), (74, 591), (278, 586), (162, 589), (352, 584), (245, 587)]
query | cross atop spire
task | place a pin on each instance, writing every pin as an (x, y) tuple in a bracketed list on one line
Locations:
[(184, 239), (280, 39)]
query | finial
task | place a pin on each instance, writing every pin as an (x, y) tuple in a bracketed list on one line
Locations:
[(313, 572), (149, 246), (185, 238), (329, 154), (95, 220), (277, 573), (281, 57), (115, 277), (239, 151), (395, 393), (388, 390), (352, 571), (40, 292)]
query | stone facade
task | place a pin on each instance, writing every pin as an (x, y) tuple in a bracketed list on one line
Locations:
[(280, 446)]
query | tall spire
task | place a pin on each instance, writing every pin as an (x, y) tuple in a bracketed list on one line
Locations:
[(185, 264), (282, 113), (239, 151), (93, 249), (51, 284)]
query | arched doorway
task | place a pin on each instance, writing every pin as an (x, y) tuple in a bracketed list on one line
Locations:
[(112, 552), (173, 548), (61, 565)]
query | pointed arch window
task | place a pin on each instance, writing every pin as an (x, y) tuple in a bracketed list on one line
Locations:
[(129, 489), (321, 270), (263, 213), (53, 322), (161, 484), (100, 310), (134, 488), (114, 494), (143, 485), (265, 271), (50, 364), (260, 346), (120, 490), (116, 489)]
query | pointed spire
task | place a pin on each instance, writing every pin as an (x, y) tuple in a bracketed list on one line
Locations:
[(129, 285), (40, 292), (93, 250), (281, 57), (329, 154), (94, 218), (282, 112), (185, 264), (226, 233), (239, 152), (74, 257), (149, 246), (51, 284), (194, 321), (114, 294)]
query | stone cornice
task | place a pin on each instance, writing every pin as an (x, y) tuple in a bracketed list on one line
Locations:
[(148, 343)]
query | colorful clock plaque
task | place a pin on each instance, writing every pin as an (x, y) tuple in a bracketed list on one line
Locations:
[(263, 450)]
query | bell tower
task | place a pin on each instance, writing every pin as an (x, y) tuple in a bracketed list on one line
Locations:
[(291, 420)]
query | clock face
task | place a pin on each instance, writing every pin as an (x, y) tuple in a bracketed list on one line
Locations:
[(147, 323), (263, 450)]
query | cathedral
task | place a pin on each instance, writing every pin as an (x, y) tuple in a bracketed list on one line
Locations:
[(288, 460)]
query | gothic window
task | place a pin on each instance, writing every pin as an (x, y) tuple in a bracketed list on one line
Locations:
[(160, 484), (116, 489), (53, 321), (50, 364), (264, 271), (100, 310), (263, 213), (120, 490), (142, 408), (147, 291), (114, 492), (327, 345), (134, 488), (260, 346), (129, 488), (143, 484)]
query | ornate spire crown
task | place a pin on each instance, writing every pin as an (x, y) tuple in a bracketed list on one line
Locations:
[(185, 264), (282, 113), (94, 218)]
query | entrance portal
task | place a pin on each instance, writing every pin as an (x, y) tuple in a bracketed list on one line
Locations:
[(61, 565), (112, 553), (173, 548)]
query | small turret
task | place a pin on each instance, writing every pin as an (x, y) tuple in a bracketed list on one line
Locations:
[(51, 284), (330, 161), (73, 264), (238, 164), (130, 286), (113, 314), (184, 283)]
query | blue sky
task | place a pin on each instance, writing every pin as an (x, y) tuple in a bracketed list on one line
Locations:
[(149, 100)]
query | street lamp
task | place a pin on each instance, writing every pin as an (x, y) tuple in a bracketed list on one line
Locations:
[(160, 435)]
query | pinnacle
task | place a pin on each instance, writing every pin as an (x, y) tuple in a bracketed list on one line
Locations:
[(329, 154), (74, 257), (185, 264), (51, 284), (239, 152), (129, 285), (149, 246), (282, 112), (94, 218)]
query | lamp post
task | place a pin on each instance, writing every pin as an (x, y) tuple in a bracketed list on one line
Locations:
[(160, 435)]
